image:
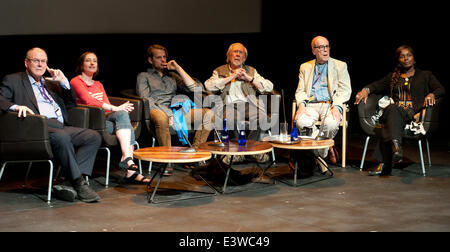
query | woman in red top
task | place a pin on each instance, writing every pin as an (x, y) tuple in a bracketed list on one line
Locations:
[(91, 92)]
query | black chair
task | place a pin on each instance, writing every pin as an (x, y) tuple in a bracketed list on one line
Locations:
[(97, 121), (26, 140), (429, 117)]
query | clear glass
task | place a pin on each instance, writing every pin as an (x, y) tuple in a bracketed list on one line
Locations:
[(284, 137)]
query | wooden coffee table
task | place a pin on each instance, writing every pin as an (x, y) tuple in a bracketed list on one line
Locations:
[(174, 154), (305, 144), (232, 148)]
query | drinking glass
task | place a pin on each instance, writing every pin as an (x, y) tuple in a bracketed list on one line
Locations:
[(283, 132)]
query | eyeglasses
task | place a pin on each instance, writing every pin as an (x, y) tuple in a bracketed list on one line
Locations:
[(322, 47), (36, 61)]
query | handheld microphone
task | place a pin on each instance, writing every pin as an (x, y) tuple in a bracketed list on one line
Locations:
[(319, 136)]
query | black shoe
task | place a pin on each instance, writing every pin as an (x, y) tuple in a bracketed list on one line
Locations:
[(382, 170), (85, 193), (64, 192), (397, 152)]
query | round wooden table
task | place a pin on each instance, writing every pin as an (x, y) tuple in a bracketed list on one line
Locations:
[(232, 148), (164, 154), (174, 154), (305, 144)]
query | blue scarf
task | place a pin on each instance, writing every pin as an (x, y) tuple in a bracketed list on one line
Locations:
[(179, 109)]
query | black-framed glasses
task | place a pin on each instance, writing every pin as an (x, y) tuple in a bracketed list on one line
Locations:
[(322, 47), (36, 61)]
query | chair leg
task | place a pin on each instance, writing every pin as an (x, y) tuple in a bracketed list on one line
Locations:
[(273, 152), (140, 163), (421, 158), (27, 174), (364, 153), (3, 168), (50, 181), (344, 140), (50, 177), (428, 152), (151, 163), (108, 162)]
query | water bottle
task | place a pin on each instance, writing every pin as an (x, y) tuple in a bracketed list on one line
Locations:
[(294, 132), (242, 139), (225, 137)]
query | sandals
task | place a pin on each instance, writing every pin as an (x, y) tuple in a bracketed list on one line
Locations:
[(132, 179), (124, 164)]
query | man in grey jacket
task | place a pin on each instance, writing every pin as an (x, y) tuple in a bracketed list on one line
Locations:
[(160, 85)]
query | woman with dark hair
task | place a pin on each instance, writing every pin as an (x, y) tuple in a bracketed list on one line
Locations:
[(411, 89), (91, 92)]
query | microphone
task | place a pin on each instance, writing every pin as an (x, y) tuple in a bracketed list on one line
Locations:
[(220, 143), (319, 135), (191, 149)]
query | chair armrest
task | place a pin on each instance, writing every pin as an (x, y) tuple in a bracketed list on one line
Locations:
[(79, 117), (131, 93), (431, 117), (136, 114), (24, 138), (97, 118)]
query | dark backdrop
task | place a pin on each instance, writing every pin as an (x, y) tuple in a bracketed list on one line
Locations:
[(365, 35)]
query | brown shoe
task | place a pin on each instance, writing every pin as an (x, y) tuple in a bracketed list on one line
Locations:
[(332, 155)]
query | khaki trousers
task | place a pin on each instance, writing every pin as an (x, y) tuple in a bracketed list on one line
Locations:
[(200, 119)]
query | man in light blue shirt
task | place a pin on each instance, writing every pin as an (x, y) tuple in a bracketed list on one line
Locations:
[(323, 88), (26, 93)]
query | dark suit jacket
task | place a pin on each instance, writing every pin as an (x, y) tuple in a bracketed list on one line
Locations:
[(422, 83), (16, 89)]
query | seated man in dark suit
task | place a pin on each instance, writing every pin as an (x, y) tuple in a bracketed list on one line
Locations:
[(26, 93)]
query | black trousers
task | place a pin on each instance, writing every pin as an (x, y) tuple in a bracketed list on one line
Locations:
[(65, 139), (394, 120)]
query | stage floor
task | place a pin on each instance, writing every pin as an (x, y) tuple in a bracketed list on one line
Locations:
[(350, 201)]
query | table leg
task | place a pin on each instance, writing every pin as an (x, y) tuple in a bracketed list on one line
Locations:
[(151, 199), (324, 164), (296, 170), (295, 173), (161, 172), (227, 175)]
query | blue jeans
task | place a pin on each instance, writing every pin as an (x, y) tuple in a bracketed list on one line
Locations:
[(117, 121)]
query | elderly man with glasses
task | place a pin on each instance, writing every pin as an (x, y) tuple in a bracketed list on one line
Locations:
[(75, 148), (323, 88)]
